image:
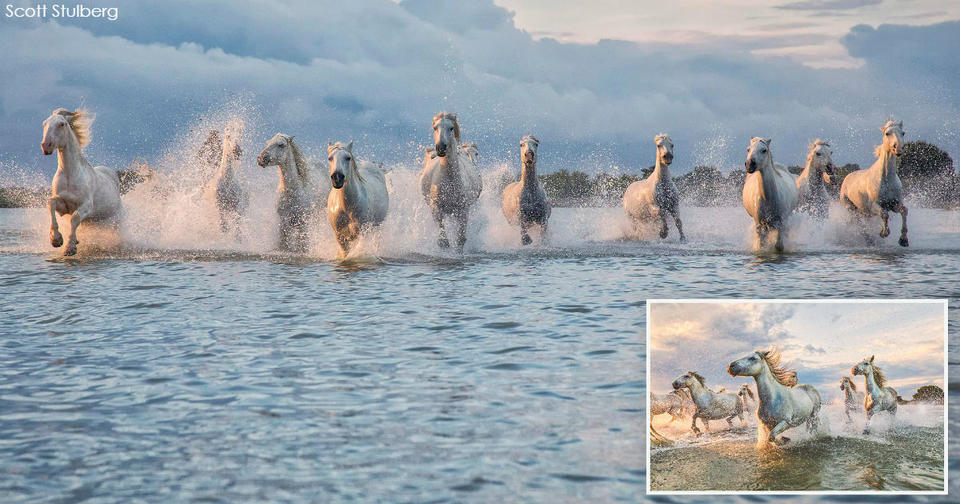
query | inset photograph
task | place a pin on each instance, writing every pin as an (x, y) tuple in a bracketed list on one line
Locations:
[(796, 396)]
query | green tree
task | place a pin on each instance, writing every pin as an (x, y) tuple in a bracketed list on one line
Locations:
[(929, 393)]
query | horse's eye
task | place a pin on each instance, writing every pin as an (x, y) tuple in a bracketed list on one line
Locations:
[(819, 154), (347, 159), (330, 159)]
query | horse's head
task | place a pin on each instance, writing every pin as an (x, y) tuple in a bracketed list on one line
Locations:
[(341, 161), (528, 150), (688, 379), (745, 391), (751, 365), (893, 134), (847, 382), (865, 367), (277, 151), (232, 134), (446, 132), (664, 148), (819, 157), (471, 150), (63, 126), (758, 154)]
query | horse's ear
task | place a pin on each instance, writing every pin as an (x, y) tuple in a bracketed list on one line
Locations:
[(767, 141), (871, 358), (329, 147), (350, 146)]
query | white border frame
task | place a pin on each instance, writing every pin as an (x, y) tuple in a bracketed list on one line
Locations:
[(946, 371)]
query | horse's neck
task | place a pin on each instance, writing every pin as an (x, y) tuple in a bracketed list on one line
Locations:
[(813, 176), (872, 388), (661, 172), (451, 162), (768, 181), (848, 394), (226, 169), (70, 159), (767, 386), (289, 177), (886, 165), (701, 396), (528, 177)]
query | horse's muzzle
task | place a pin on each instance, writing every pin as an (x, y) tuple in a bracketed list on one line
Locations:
[(677, 386), (733, 369), (441, 150), (47, 148), (668, 158), (829, 168), (262, 160), (336, 178), (750, 166)]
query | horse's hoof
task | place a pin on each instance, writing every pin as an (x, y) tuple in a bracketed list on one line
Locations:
[(663, 234), (884, 233), (526, 240), (56, 240), (71, 251), (683, 239), (443, 243), (904, 242)]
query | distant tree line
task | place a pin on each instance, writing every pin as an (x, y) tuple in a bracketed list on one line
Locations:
[(928, 176), (931, 394)]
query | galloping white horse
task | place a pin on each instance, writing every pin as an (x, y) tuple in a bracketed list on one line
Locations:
[(358, 200), (671, 403), (747, 398), (877, 190), (224, 191), (852, 399), (878, 398), (656, 195), (525, 202), (300, 190), (780, 406), (813, 197), (769, 192), (449, 180), (710, 405), (84, 192)]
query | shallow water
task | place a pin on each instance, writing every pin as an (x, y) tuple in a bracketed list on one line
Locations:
[(201, 368), (905, 453)]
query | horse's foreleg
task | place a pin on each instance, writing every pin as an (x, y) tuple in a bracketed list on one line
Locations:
[(778, 246), (442, 240), (82, 212), (903, 225), (779, 428), (462, 231), (663, 224), (676, 220), (693, 425), (55, 205), (524, 236), (866, 428), (884, 225)]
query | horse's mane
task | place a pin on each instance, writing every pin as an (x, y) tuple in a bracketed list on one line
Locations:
[(878, 376), (80, 121), (453, 117), (853, 386), (699, 377), (531, 138), (301, 162), (780, 373), (661, 137)]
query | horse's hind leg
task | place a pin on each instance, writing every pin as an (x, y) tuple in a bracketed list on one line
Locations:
[(55, 205), (904, 242)]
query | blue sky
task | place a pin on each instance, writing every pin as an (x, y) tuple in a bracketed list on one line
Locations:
[(822, 341), (595, 83)]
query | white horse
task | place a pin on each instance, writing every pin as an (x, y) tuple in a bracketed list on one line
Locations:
[(780, 406), (672, 404), (656, 195), (224, 190), (812, 195), (449, 180), (747, 398), (358, 200), (879, 397), (769, 192), (85, 192), (525, 203), (710, 405), (877, 190), (852, 399), (300, 190)]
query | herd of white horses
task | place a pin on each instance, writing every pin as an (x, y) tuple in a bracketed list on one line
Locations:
[(780, 402), (357, 199)]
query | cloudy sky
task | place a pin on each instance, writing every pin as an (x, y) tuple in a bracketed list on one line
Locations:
[(822, 341), (594, 81)]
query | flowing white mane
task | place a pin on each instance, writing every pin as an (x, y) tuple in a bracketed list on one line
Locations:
[(80, 121)]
